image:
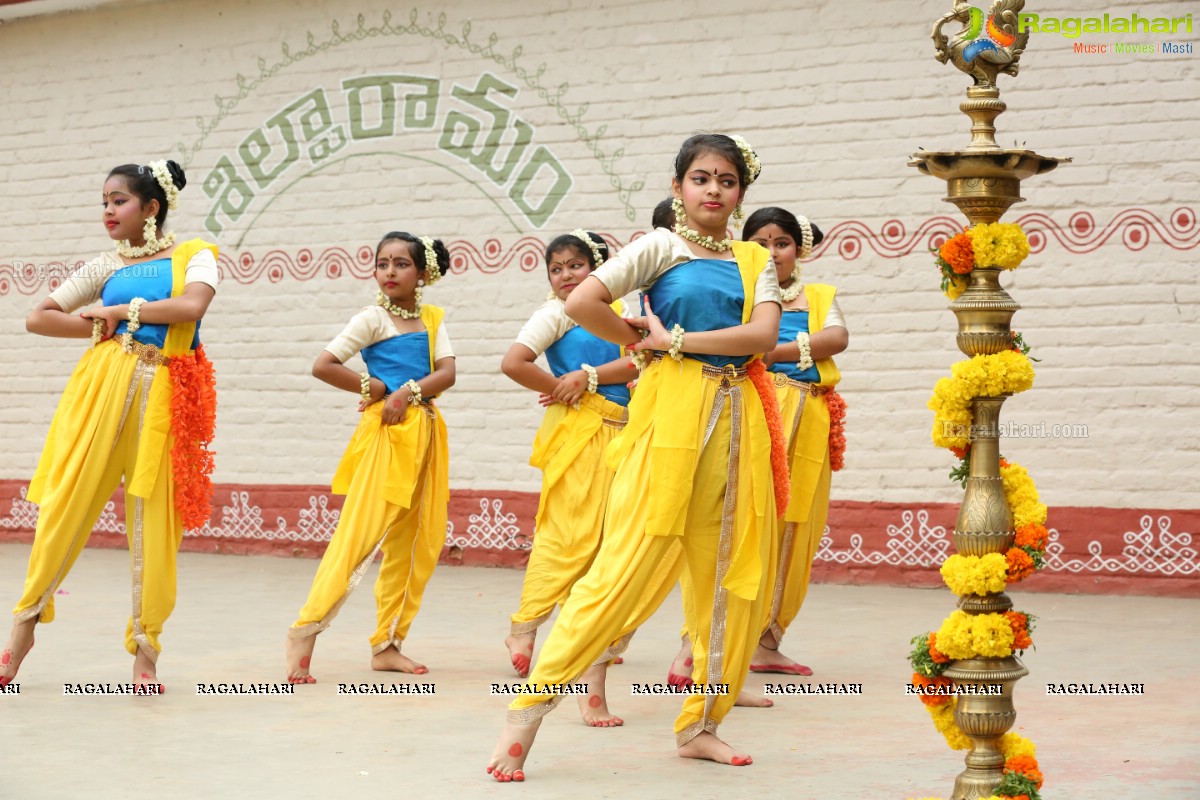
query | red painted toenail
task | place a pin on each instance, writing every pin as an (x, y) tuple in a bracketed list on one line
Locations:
[(594, 701), (304, 662), (516, 750)]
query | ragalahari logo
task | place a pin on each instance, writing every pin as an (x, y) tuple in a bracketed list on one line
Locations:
[(993, 37)]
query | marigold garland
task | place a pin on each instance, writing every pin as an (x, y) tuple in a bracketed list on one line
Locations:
[(962, 635), (1022, 496), (1002, 245), (1007, 372), (765, 386), (837, 430), (193, 424)]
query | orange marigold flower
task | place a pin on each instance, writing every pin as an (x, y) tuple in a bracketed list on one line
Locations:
[(1027, 766), (765, 387), (931, 699), (1020, 565), (193, 423), (1020, 627), (1033, 535), (937, 656), (960, 452), (1004, 462), (837, 430), (958, 253)]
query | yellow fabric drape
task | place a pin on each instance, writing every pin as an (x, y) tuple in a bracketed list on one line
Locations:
[(396, 482), (569, 449)]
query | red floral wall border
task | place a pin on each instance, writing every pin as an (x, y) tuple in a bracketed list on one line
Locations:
[(1092, 550), (1132, 228)]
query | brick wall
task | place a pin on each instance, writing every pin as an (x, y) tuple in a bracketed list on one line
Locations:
[(834, 96)]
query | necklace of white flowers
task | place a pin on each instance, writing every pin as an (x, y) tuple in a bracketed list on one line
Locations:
[(753, 170), (796, 286), (150, 230)]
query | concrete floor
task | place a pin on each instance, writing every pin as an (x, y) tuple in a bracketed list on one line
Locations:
[(229, 627)]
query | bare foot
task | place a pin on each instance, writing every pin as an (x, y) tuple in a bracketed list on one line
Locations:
[(708, 746), (520, 652), (20, 642), (593, 706), (390, 660), (145, 676), (680, 673), (511, 752), (747, 700), (299, 656), (766, 659)]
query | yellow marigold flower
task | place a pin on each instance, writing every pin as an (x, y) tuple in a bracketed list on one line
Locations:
[(1013, 745), (943, 720), (999, 244)]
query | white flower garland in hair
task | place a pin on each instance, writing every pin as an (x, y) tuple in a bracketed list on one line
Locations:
[(582, 235), (806, 238), (753, 165), (162, 174), (432, 271)]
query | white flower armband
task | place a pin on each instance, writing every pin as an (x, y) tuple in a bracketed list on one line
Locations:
[(676, 351), (805, 361), (592, 376), (414, 389), (135, 308)]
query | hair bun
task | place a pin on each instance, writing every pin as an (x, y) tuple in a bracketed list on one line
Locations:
[(177, 176), (443, 257)]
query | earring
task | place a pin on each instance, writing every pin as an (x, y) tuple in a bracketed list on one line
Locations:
[(420, 282), (149, 229), (680, 214), (738, 216)]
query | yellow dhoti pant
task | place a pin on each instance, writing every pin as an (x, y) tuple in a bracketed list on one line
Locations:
[(798, 531), (723, 525), (99, 436), (396, 482), (569, 449)]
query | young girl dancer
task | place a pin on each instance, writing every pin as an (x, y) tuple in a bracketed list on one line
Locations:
[(394, 472), (811, 331), (586, 387), (694, 464), (140, 405)]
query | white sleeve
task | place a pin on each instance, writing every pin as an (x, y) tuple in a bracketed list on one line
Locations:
[(202, 268), (441, 345), (545, 327), (83, 286), (638, 264), (834, 318), (362, 331), (766, 288)]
